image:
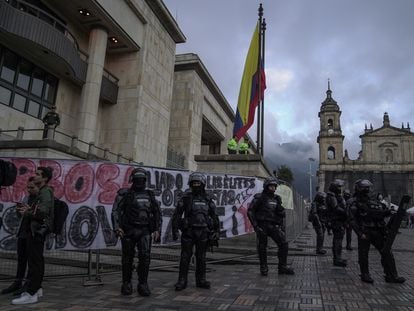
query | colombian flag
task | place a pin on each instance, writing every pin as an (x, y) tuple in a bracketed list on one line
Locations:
[(249, 88)]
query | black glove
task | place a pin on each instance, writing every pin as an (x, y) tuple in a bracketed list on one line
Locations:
[(259, 230), (175, 236)]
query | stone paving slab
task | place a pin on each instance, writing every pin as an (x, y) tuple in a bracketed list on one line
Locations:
[(317, 285)]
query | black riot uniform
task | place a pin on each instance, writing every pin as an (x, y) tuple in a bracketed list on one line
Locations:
[(195, 216), (136, 215), (338, 217), (318, 215), (348, 227), (367, 219), (267, 215)]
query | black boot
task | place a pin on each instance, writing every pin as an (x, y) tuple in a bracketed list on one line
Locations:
[(285, 270), (320, 251), (126, 288), (349, 248), (365, 277), (16, 285), (339, 262), (143, 289), (394, 279), (203, 284), (181, 284)]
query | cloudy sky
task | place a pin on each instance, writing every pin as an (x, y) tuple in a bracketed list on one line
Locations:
[(365, 47)]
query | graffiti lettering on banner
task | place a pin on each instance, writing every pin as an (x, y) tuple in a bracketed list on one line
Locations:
[(90, 188)]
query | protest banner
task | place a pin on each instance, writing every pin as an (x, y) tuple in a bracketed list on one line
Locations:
[(90, 187)]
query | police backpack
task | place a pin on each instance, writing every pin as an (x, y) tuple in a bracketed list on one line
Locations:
[(8, 173), (61, 211)]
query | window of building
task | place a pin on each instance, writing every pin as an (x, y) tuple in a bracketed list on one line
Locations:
[(331, 153), (25, 87), (388, 155), (330, 123)]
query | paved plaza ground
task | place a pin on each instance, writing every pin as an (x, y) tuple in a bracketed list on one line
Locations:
[(237, 285)]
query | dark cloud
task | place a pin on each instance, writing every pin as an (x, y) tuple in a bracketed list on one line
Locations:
[(364, 47)]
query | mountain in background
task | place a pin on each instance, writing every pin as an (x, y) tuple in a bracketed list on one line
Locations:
[(296, 156)]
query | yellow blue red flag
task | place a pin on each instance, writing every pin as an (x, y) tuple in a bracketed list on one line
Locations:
[(253, 78)]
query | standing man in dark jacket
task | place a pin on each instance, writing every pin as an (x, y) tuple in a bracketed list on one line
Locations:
[(195, 216), (267, 215), (338, 216), (23, 232), (367, 217), (136, 215), (318, 215), (40, 219)]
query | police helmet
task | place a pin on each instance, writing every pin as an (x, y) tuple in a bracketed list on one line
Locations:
[(336, 186), (363, 186), (320, 197), (270, 181), (197, 177), (137, 174)]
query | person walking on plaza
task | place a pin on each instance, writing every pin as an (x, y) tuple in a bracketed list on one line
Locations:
[(338, 217), (23, 231), (244, 146), (318, 216), (267, 215), (50, 121), (40, 222), (348, 227), (367, 219), (136, 217), (232, 145), (195, 216)]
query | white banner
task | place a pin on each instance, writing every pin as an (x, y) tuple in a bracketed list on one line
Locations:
[(89, 189)]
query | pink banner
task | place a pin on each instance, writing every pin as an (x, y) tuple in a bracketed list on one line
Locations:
[(89, 188)]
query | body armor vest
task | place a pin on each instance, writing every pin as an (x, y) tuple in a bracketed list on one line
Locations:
[(372, 213), (138, 208), (322, 212), (270, 211), (199, 213)]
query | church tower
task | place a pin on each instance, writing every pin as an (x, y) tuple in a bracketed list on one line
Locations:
[(330, 138)]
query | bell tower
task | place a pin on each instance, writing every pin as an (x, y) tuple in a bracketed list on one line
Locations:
[(330, 138)]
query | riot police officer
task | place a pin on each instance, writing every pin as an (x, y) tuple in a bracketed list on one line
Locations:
[(348, 227), (367, 219), (318, 215), (338, 216), (195, 216), (136, 215), (267, 215)]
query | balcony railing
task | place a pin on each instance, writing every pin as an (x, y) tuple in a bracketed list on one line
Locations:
[(27, 21), (72, 144)]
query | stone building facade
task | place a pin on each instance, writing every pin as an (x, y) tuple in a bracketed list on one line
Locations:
[(111, 70), (386, 157)]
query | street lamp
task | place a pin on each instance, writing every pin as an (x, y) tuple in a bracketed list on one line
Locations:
[(310, 178)]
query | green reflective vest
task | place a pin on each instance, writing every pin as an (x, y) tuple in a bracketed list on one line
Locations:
[(232, 144), (243, 147)]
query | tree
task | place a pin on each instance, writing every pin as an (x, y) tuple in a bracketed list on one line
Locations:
[(285, 173)]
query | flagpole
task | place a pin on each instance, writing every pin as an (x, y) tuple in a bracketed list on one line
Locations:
[(263, 30), (259, 111)]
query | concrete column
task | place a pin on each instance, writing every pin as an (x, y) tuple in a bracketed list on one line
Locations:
[(89, 105)]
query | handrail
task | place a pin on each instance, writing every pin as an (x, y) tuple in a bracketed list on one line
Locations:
[(105, 151)]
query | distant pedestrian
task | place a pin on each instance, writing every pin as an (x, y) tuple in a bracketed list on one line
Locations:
[(244, 146), (232, 145), (411, 221), (50, 121)]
